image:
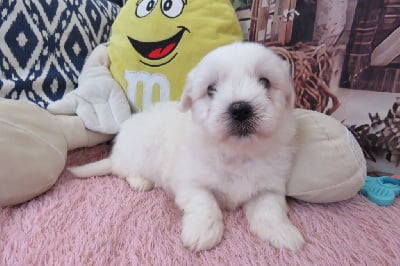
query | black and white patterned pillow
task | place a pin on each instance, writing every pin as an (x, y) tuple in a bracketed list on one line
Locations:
[(44, 43)]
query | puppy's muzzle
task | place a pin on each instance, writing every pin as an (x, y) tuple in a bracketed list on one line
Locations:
[(242, 119)]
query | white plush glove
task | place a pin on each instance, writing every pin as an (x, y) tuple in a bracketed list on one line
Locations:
[(98, 100)]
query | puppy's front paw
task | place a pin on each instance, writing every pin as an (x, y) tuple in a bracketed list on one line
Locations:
[(202, 231), (280, 234), (139, 183)]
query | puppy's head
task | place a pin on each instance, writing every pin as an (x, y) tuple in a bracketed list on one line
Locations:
[(239, 92)]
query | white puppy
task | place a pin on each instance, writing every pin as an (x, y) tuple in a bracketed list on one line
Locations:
[(234, 148)]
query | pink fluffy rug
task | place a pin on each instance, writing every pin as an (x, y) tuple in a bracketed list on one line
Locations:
[(101, 221)]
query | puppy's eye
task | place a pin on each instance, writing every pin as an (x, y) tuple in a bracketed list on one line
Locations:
[(265, 82), (211, 90)]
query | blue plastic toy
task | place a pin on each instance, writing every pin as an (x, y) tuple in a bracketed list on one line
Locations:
[(381, 190)]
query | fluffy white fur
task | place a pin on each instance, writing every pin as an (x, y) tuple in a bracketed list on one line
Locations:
[(207, 157)]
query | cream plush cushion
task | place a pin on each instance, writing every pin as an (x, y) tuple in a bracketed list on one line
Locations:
[(32, 153), (33, 148), (329, 165)]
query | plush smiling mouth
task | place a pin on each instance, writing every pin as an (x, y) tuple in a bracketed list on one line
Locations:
[(158, 50)]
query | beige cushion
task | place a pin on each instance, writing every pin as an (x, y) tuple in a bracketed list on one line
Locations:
[(329, 164), (33, 151)]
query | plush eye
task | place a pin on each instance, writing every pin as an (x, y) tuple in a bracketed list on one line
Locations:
[(211, 90), (172, 8), (265, 82), (145, 7)]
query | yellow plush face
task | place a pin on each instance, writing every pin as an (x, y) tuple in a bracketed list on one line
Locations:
[(155, 43), (166, 45)]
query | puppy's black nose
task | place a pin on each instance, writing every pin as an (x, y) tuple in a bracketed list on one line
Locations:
[(240, 111)]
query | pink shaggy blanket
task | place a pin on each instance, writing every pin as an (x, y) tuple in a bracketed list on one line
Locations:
[(101, 221)]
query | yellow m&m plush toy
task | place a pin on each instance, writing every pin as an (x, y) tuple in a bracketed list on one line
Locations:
[(155, 43)]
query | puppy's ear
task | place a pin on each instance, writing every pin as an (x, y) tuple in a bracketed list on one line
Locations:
[(187, 98), (286, 67)]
